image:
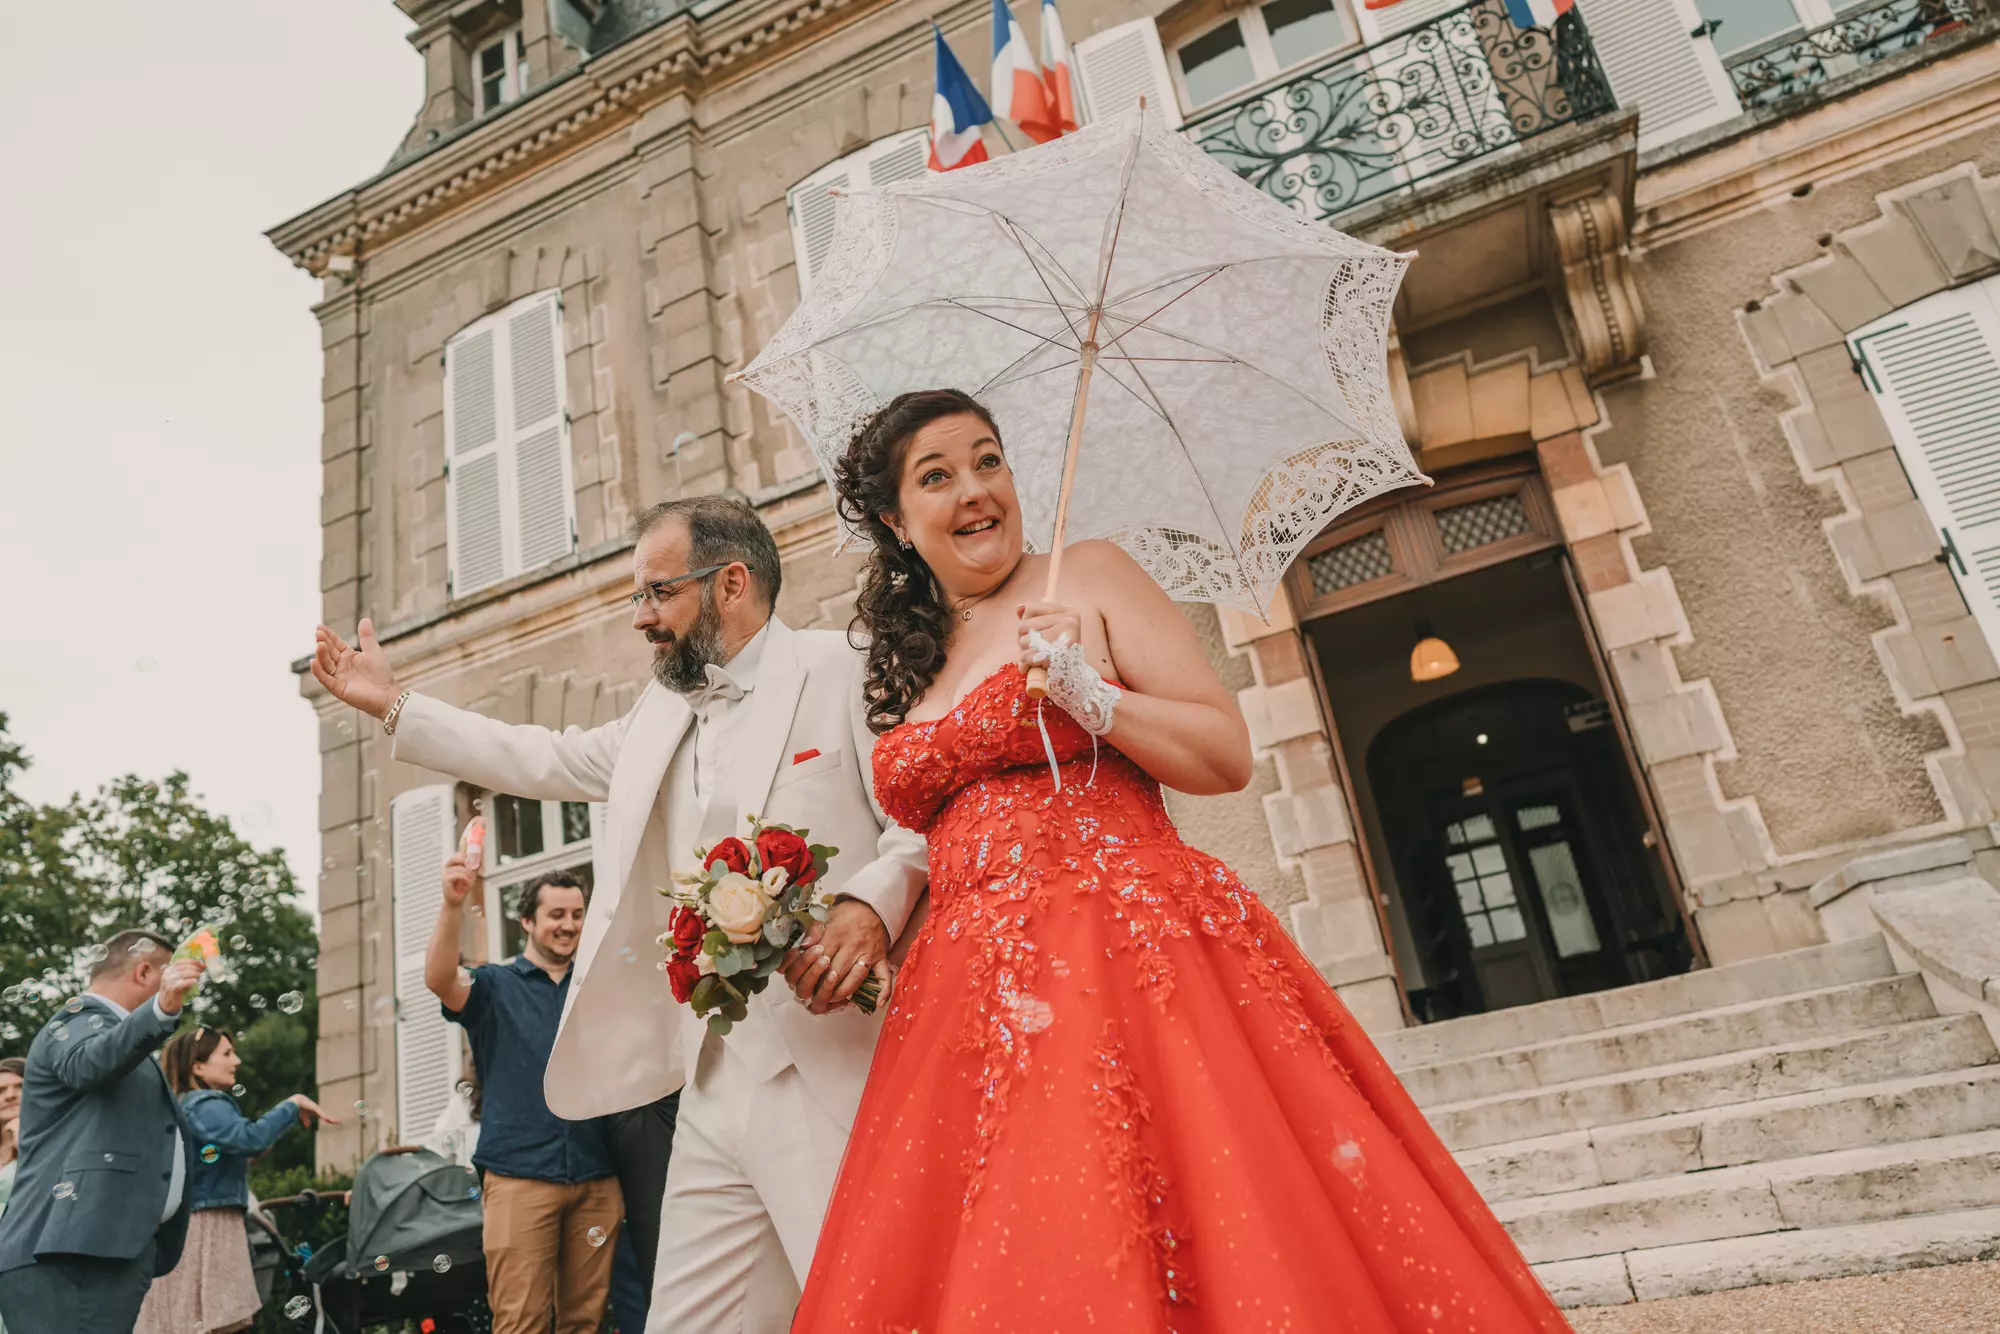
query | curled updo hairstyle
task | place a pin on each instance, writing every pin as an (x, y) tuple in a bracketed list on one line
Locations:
[(902, 609)]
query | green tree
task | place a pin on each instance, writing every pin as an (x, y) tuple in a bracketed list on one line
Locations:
[(148, 854)]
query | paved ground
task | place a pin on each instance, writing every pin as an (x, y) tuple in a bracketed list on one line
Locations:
[(1951, 1299)]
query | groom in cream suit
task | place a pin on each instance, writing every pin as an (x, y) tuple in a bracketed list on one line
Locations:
[(745, 717)]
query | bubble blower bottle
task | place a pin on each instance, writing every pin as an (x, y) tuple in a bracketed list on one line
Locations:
[(201, 945)]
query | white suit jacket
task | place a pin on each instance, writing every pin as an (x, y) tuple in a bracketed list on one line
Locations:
[(624, 1040)]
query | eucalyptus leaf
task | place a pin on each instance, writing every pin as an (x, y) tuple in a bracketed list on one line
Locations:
[(819, 912), (708, 993), (715, 944), (778, 931), (720, 1024)]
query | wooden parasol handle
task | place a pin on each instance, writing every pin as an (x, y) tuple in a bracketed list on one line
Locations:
[(1038, 677)]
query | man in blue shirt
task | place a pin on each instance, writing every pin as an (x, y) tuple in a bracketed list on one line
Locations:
[(552, 1200)]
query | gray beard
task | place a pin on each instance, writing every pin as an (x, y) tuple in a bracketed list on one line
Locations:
[(683, 668)]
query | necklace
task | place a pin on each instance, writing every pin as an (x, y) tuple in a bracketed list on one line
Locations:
[(963, 606)]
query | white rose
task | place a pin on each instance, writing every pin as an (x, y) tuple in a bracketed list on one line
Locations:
[(704, 964), (736, 907), (774, 881)]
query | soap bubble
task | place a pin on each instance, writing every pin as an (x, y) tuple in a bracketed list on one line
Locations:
[(464, 1088), (239, 943), (298, 1308), (1031, 1013), (361, 1107), (441, 1263), (595, 1236), (65, 1190), (75, 1004), (209, 1153), (381, 1263), (258, 1002), (292, 1002), (472, 1192), (238, 1091), (146, 664)]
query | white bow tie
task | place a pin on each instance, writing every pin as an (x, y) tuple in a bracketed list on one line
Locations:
[(721, 687)]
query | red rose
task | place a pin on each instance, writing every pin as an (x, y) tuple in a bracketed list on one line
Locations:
[(682, 974), (688, 929), (731, 852), (782, 847)]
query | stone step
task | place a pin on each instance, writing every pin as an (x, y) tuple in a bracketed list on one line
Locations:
[(1817, 1191), (1925, 1106), (1922, 1047), (1850, 1007), (1774, 975), (1777, 1257)]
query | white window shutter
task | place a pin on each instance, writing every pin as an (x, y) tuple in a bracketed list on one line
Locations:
[(475, 544), (1118, 66), (544, 500), (1934, 367), (1377, 24), (422, 830), (1657, 64), (810, 205), (898, 157), (510, 501)]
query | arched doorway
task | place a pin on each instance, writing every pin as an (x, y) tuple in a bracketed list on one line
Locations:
[(1502, 820), (1515, 852)]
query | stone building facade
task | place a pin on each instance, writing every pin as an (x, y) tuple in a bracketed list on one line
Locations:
[(1717, 554)]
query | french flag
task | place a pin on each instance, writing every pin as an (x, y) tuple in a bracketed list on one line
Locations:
[(1060, 93), (1537, 13), (957, 112), (1018, 94)]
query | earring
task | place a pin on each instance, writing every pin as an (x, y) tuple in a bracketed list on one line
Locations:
[(902, 542)]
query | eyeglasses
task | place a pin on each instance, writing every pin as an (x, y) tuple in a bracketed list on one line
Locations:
[(658, 594)]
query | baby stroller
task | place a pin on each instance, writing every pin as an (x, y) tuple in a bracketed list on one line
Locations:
[(411, 1253)]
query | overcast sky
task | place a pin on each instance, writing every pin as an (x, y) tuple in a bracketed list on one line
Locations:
[(160, 369)]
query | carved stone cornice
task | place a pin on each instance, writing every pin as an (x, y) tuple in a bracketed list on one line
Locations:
[(1589, 230), (597, 98)]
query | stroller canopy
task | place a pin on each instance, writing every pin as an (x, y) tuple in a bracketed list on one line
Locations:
[(407, 1205)]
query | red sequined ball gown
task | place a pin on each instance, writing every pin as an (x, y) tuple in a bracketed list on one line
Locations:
[(1112, 1096)]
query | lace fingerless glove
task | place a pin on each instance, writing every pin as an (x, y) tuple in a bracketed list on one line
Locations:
[(1074, 685)]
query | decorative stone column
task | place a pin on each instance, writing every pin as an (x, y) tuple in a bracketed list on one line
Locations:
[(1338, 925)]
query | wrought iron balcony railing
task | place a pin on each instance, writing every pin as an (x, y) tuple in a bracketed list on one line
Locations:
[(1456, 88), (1784, 67)]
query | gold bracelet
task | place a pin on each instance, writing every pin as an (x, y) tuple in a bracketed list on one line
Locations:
[(395, 711)]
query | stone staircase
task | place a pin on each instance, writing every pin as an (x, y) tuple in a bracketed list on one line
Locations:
[(1799, 1116)]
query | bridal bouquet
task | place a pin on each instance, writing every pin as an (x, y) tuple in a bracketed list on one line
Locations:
[(739, 914)]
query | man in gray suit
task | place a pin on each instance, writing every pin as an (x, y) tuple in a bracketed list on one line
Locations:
[(100, 1201)]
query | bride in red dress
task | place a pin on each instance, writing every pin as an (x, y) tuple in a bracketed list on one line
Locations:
[(1110, 1093)]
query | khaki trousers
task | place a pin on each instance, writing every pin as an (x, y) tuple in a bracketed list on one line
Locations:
[(549, 1247)]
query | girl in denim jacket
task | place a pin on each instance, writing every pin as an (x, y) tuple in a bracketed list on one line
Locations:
[(212, 1288)]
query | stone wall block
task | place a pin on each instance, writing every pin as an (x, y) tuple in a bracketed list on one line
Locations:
[(1854, 545), (1907, 665), (1443, 397), (1956, 653), (1830, 376), (1855, 427), (1240, 628), (340, 552), (1500, 400), (1767, 336), (1278, 659), (1805, 326), (1600, 562), (1627, 511), (1878, 481), (1977, 711), (1645, 672), (1279, 713), (1705, 847), (1903, 534), (1313, 818), (1929, 594), (1304, 762), (1671, 728), (1336, 930), (1955, 228), (1582, 402), (1583, 510), (1565, 462), (1333, 874), (545, 707), (1808, 437), (1623, 615), (1839, 286), (1897, 261), (1549, 412)]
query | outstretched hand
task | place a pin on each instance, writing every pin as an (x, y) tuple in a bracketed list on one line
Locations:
[(359, 675)]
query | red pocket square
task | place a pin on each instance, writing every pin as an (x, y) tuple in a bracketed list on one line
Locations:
[(805, 755)]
